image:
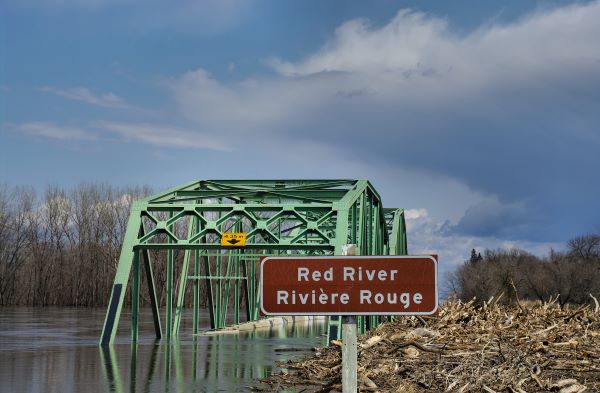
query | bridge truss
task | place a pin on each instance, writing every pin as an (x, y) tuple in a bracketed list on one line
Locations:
[(279, 217)]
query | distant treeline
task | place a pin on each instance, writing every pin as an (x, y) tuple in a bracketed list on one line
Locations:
[(572, 275), (61, 247)]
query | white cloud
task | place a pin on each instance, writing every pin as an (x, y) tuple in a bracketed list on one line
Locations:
[(163, 135), (413, 43), (108, 100), (405, 43), (53, 131), (413, 214), (415, 59), (250, 105), (429, 236), (399, 72)]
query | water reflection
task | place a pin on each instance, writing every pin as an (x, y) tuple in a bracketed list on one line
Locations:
[(56, 351), (230, 362)]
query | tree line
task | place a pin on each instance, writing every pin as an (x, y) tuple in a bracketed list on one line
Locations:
[(573, 275), (61, 247)]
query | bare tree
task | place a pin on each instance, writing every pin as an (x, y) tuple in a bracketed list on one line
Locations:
[(572, 275), (586, 247), (15, 226)]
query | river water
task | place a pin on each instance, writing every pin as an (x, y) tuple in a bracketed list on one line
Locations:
[(56, 350)]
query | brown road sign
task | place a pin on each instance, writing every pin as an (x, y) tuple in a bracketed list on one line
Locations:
[(349, 285)]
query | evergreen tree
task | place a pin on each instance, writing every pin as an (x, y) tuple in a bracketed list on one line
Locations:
[(475, 257)]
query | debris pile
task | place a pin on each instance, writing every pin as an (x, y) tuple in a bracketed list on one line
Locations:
[(529, 347)]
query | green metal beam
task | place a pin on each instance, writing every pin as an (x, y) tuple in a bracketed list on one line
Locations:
[(280, 217), (182, 283), (113, 314), (151, 289)]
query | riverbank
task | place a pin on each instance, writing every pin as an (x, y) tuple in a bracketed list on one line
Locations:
[(528, 347)]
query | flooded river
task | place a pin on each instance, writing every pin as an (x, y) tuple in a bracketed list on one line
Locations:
[(56, 350)]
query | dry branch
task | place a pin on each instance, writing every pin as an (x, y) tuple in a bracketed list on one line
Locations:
[(467, 348)]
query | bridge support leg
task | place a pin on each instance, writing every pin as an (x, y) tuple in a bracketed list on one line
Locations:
[(126, 258), (135, 296), (181, 292), (152, 293), (196, 320)]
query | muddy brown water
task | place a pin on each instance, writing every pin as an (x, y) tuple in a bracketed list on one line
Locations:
[(56, 350)]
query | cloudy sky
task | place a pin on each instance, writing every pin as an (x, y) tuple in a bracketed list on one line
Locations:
[(481, 118)]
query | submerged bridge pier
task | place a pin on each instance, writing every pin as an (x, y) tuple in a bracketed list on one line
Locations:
[(216, 231)]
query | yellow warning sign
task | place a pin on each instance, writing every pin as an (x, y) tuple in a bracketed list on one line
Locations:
[(233, 239)]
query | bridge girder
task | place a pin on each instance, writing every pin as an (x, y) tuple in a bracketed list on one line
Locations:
[(280, 217)]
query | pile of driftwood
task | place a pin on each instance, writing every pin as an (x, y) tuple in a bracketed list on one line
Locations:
[(528, 347)]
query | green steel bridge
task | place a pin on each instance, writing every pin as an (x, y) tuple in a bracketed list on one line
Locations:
[(279, 217)]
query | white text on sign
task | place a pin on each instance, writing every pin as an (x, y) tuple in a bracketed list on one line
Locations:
[(348, 274)]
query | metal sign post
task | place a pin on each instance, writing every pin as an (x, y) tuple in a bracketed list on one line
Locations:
[(349, 355), (349, 346)]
